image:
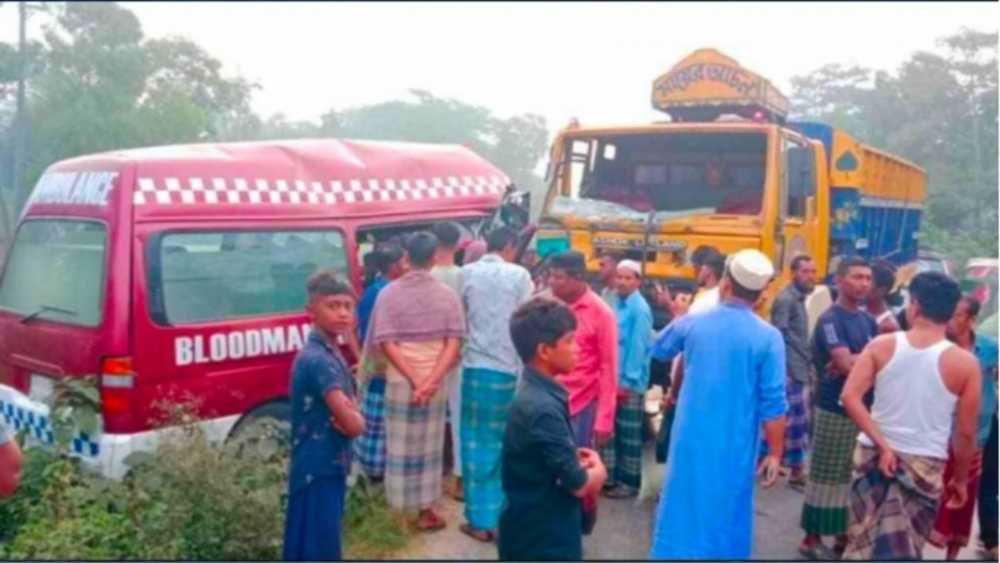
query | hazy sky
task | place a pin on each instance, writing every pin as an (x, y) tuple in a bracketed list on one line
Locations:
[(592, 61)]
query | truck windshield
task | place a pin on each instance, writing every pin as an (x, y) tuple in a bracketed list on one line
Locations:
[(56, 271), (669, 174)]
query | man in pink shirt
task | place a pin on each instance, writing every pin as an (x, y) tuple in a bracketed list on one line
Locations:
[(593, 383)]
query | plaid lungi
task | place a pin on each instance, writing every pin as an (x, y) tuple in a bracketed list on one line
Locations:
[(414, 446), (954, 525), (623, 455), (369, 447), (486, 398), (892, 517), (827, 490), (797, 425)]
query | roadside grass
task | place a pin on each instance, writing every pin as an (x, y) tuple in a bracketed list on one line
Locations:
[(372, 530)]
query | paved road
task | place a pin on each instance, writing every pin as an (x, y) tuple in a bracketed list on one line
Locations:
[(624, 527)]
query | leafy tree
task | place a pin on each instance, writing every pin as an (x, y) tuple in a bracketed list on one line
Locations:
[(515, 144), (938, 110), (98, 84)]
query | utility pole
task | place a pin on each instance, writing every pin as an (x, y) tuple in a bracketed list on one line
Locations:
[(19, 116)]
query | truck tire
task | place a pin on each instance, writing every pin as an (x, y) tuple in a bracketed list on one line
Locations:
[(264, 432)]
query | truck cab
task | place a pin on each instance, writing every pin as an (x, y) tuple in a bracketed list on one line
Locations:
[(726, 170)]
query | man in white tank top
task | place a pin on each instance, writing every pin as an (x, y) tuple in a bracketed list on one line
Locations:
[(922, 384)]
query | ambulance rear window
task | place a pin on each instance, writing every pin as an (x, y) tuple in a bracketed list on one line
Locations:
[(56, 271), (214, 276)]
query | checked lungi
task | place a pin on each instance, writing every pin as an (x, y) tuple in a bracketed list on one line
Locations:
[(414, 446), (623, 455), (797, 425), (828, 487), (486, 398), (891, 518), (369, 447), (954, 525)]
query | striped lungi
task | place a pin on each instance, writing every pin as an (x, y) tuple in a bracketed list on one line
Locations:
[(797, 425), (486, 398), (369, 447), (623, 455), (828, 488), (414, 448), (892, 518)]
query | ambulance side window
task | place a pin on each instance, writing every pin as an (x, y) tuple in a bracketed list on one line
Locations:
[(213, 276)]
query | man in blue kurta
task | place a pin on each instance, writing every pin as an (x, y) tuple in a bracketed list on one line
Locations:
[(734, 383), (623, 455)]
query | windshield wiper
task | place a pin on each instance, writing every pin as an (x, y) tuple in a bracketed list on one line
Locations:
[(46, 309)]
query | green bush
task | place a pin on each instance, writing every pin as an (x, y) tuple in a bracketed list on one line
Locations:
[(188, 500)]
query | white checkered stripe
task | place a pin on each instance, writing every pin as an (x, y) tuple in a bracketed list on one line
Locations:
[(256, 191), (17, 417)]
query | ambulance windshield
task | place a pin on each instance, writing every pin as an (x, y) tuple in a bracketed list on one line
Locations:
[(56, 271)]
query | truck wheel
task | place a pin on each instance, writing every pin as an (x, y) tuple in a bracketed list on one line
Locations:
[(264, 432)]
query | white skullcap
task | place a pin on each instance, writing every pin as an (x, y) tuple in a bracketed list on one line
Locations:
[(631, 265), (751, 269)]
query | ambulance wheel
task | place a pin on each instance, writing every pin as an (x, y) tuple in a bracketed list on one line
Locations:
[(264, 432)]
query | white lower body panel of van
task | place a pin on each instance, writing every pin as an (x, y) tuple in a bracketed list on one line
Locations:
[(106, 453)]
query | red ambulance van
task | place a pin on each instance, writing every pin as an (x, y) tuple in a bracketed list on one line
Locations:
[(177, 273)]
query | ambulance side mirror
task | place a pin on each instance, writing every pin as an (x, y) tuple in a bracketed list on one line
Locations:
[(514, 211)]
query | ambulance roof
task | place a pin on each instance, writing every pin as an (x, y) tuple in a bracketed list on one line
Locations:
[(314, 177)]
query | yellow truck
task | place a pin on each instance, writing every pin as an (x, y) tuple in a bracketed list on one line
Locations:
[(727, 170)]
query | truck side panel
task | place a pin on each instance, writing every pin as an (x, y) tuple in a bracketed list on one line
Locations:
[(876, 198), (873, 227)]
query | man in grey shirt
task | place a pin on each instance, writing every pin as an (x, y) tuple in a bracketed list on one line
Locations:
[(788, 315)]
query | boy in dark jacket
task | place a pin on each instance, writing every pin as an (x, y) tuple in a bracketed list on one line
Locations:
[(544, 474)]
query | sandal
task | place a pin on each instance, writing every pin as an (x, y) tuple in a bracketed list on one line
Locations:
[(429, 522), (798, 483), (485, 536), (620, 492), (839, 549), (818, 552)]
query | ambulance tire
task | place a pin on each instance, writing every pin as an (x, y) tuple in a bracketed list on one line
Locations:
[(266, 429)]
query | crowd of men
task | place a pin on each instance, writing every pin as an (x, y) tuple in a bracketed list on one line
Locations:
[(542, 381)]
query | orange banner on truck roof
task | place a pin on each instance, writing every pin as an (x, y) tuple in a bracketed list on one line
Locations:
[(709, 79)]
